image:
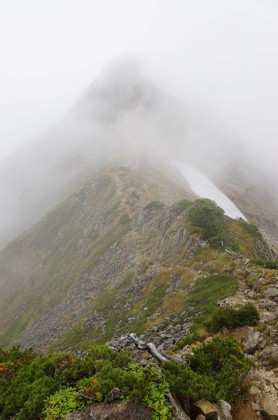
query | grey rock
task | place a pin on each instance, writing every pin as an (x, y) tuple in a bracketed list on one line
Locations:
[(252, 341), (224, 410), (272, 293), (269, 355)]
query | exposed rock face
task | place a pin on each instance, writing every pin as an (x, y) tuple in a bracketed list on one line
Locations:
[(116, 411), (118, 226), (111, 257)]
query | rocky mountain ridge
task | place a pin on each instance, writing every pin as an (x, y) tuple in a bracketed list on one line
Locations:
[(120, 256)]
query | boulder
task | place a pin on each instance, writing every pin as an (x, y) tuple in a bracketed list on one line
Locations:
[(224, 410), (269, 355), (269, 409), (206, 408), (251, 343), (272, 293)]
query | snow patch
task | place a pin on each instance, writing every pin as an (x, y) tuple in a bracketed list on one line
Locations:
[(204, 188)]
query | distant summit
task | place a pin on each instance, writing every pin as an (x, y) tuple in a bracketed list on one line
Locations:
[(121, 119)]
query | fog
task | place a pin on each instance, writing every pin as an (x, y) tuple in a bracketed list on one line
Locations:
[(83, 82)]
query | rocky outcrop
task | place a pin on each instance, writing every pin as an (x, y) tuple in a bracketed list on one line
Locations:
[(116, 411)]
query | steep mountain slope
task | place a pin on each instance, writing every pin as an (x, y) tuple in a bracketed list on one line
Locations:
[(121, 115), (118, 255), (91, 240)]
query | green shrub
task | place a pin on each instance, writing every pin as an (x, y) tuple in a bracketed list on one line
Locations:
[(252, 229), (51, 386), (143, 384), (179, 207), (215, 371), (234, 317), (206, 215), (273, 265), (63, 402)]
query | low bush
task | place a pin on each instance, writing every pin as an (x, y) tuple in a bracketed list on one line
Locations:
[(63, 402), (206, 215), (273, 265), (216, 371), (52, 386), (234, 317)]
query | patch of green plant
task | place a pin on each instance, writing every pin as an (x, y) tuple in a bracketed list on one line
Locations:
[(154, 205), (209, 290), (52, 386), (252, 229), (124, 219), (206, 215), (272, 265), (216, 371), (24, 386), (234, 317), (63, 402), (202, 301), (143, 384), (179, 207)]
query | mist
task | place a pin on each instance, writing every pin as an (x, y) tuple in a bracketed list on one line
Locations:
[(194, 81)]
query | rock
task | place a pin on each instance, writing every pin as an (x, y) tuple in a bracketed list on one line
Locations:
[(254, 390), (141, 345), (115, 394), (205, 408), (255, 406), (115, 411), (250, 293), (272, 293), (251, 343), (224, 410), (200, 417), (269, 355), (269, 409)]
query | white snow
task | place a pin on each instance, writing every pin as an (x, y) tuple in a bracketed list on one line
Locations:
[(204, 188)]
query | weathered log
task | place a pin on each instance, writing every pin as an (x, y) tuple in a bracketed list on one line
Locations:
[(155, 353), (160, 356), (150, 347)]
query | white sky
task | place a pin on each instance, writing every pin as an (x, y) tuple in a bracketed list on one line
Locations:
[(219, 55)]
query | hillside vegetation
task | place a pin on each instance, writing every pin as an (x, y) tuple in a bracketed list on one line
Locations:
[(52, 386), (118, 256), (134, 252)]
